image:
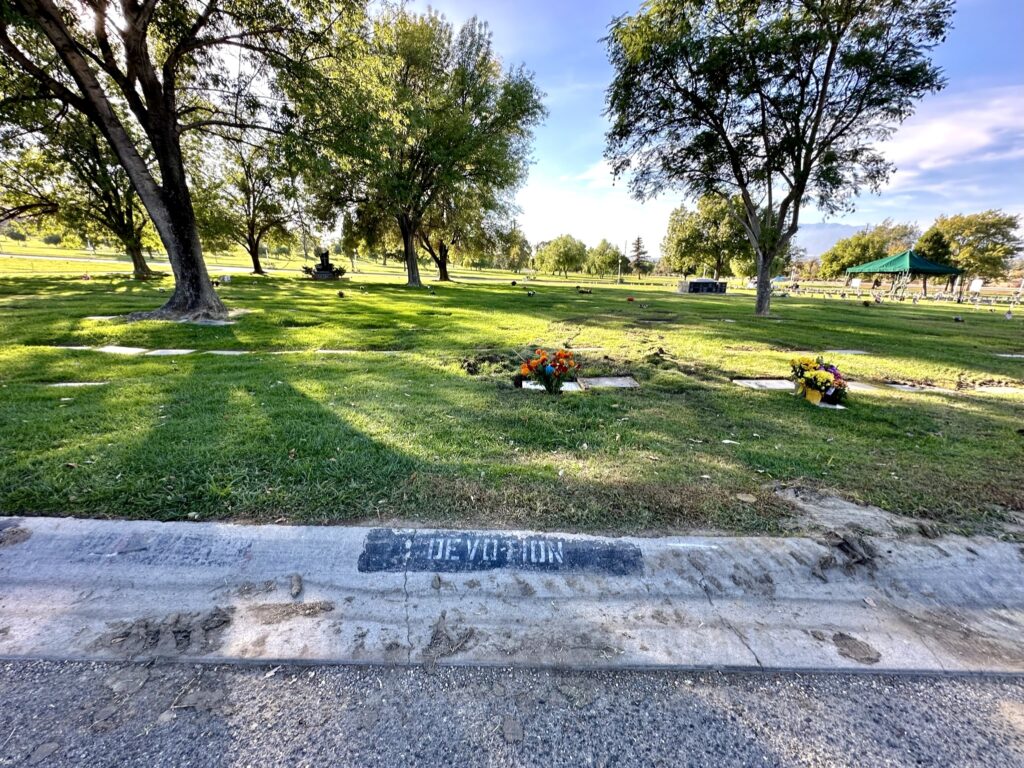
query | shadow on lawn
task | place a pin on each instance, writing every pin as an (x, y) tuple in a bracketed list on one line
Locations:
[(323, 440), (302, 314), (264, 437)]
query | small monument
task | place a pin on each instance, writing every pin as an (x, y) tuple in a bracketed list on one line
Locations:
[(324, 270)]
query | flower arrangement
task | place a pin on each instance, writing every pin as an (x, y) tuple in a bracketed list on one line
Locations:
[(817, 380), (551, 370)]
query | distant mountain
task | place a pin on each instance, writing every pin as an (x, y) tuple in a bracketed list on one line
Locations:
[(818, 238)]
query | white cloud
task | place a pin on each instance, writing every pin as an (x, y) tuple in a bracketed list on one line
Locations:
[(589, 206), (983, 126)]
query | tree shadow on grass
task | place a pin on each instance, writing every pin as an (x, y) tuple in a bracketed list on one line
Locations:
[(370, 438)]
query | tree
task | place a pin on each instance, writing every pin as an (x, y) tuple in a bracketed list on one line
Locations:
[(638, 259), (163, 62), (869, 244), (255, 195), (74, 181), (934, 246), (778, 101), (606, 259), (438, 119), (709, 237), (514, 250), (981, 244), (464, 218), (564, 254), (896, 237)]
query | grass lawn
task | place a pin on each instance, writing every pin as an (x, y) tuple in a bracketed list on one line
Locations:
[(436, 434)]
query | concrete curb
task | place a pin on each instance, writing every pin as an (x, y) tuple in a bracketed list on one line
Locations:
[(207, 592)]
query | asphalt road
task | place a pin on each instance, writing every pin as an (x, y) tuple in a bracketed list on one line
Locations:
[(94, 714)]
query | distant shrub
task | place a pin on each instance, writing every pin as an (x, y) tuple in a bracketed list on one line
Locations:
[(16, 234), (282, 250), (53, 239)]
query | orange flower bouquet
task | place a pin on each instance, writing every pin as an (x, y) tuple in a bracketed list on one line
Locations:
[(551, 370)]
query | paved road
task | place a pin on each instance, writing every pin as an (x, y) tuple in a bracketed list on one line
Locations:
[(96, 714)]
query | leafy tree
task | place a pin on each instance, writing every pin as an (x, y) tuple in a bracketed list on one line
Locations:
[(981, 244), (934, 246), (164, 62), (896, 237), (466, 219), (858, 248), (870, 244), (564, 254), (438, 120), (255, 195), (75, 182), (709, 237), (778, 101), (514, 250), (606, 259), (808, 270)]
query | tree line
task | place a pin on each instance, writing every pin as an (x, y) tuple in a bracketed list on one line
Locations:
[(396, 121), (195, 124), (980, 244)]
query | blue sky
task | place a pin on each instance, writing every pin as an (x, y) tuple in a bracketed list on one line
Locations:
[(962, 152)]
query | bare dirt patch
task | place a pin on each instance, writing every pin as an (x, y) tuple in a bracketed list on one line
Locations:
[(176, 634), (14, 535), (857, 650), (817, 510), (276, 613), (445, 642)]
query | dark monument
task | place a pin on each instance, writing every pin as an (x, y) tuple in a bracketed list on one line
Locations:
[(324, 270), (703, 285)]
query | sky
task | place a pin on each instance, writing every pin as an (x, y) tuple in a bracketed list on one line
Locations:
[(962, 152)]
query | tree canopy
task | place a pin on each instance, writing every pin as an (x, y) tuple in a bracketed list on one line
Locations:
[(438, 122), (981, 244), (869, 244), (777, 101), (74, 182), (564, 254), (168, 67), (710, 237), (606, 259)]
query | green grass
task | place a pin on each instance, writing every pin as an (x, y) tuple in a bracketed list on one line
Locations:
[(413, 437)]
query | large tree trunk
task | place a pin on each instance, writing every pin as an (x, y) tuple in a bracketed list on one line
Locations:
[(169, 203), (412, 266), (254, 254), (140, 268), (924, 291), (762, 305), (442, 263)]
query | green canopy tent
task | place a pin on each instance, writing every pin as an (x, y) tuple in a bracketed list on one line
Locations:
[(905, 266)]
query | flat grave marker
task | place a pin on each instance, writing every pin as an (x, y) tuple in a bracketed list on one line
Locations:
[(114, 349), (609, 382), (767, 384), (536, 386)]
